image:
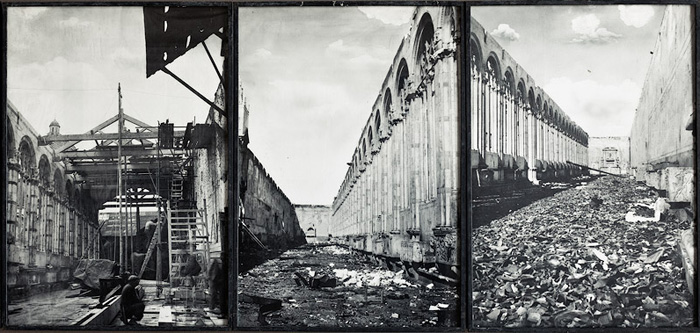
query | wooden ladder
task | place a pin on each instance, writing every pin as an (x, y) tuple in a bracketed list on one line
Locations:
[(188, 234)]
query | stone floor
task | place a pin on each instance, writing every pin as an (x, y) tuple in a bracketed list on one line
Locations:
[(54, 309)]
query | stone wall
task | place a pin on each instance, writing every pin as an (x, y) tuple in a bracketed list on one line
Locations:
[(517, 131), (317, 218), (610, 154), (662, 150), (51, 220), (211, 176), (399, 195), (267, 211)]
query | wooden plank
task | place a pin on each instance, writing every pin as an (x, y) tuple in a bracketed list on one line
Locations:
[(165, 317), (109, 153), (107, 136), (101, 316)]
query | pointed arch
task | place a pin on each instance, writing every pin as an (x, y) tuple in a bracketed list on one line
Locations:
[(27, 156), (475, 55), (10, 139), (58, 183), (44, 171)]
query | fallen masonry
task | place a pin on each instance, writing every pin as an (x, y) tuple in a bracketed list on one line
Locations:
[(331, 286), (591, 256)]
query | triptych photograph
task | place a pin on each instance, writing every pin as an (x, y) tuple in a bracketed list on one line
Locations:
[(334, 167)]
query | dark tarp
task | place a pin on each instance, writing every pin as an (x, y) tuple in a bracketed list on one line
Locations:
[(90, 271), (169, 34)]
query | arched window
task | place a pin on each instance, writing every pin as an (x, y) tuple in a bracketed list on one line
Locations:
[(369, 136), (58, 182), (44, 171), (364, 149), (378, 126), (509, 82), (10, 140), (69, 191), (531, 100), (521, 92), (401, 89), (474, 56), (27, 159), (493, 70), (424, 44)]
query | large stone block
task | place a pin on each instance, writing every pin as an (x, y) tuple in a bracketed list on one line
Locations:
[(417, 251), (679, 183), (653, 179)]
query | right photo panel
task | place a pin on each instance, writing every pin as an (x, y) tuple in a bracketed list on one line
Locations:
[(582, 166)]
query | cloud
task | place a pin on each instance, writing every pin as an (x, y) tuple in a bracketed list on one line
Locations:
[(389, 15), (73, 22), (262, 53), (588, 30), (600, 109), (26, 13), (504, 31), (636, 16)]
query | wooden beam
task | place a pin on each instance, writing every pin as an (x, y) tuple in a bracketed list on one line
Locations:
[(109, 167), (110, 153), (104, 136), (94, 129), (138, 122)]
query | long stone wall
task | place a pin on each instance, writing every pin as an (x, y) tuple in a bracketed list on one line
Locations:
[(268, 212), (399, 196), (51, 220), (662, 150), (517, 130)]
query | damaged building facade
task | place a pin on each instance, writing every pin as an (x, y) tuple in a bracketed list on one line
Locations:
[(661, 141), (210, 172), (399, 198), (315, 220), (609, 154), (517, 131), (51, 218), (266, 213)]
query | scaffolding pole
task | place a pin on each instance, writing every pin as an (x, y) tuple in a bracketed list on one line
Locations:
[(119, 181), (159, 200)]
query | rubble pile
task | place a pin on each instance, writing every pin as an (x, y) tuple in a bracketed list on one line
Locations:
[(334, 287), (574, 260)]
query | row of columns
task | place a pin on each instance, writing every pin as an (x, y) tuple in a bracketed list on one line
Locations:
[(408, 181), (41, 221), (505, 124)]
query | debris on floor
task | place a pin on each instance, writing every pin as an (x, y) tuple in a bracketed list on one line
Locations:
[(332, 286), (579, 259)]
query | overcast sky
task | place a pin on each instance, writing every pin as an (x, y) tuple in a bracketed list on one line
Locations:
[(592, 60), (310, 76), (65, 63)]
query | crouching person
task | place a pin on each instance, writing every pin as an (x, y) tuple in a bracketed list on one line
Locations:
[(132, 301)]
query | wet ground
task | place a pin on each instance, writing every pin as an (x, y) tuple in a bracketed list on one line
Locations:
[(58, 308), (589, 256), (365, 295)]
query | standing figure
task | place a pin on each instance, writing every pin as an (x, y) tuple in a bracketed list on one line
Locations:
[(217, 282)]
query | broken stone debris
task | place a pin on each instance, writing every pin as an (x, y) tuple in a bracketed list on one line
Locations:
[(565, 262), (365, 295)]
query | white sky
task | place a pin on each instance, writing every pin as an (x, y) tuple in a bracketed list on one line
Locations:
[(592, 60), (65, 63), (310, 76)]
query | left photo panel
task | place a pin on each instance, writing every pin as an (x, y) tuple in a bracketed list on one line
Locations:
[(116, 141)]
